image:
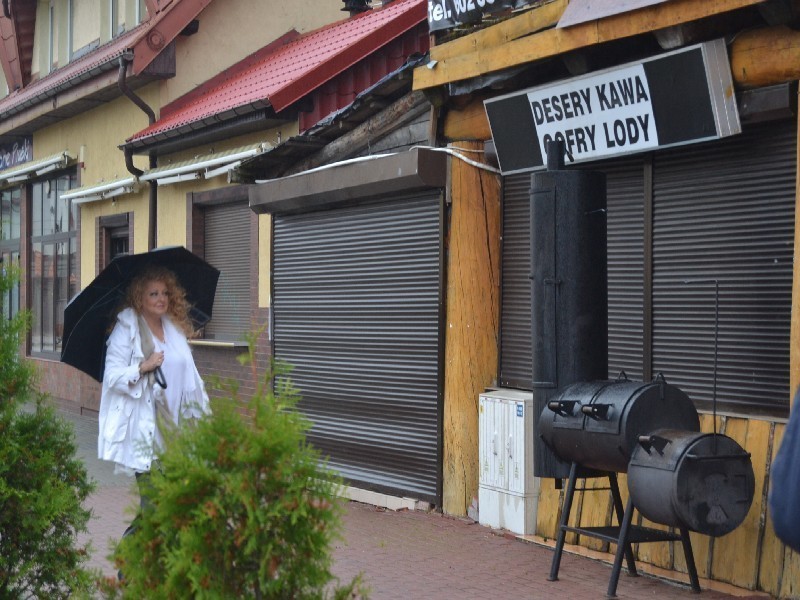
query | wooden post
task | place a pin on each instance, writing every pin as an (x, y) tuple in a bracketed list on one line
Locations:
[(794, 337), (472, 319)]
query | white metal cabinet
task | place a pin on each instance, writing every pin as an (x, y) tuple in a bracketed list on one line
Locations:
[(508, 492)]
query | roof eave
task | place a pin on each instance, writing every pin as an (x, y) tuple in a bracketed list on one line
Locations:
[(192, 135), (154, 38)]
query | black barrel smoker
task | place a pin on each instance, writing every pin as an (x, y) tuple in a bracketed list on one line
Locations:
[(597, 424), (703, 482), (589, 426)]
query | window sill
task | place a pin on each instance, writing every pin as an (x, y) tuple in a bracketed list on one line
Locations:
[(218, 344)]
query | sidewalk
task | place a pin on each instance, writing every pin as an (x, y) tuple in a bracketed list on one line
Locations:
[(408, 554)]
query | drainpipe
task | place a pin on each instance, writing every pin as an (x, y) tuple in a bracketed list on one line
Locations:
[(127, 57)]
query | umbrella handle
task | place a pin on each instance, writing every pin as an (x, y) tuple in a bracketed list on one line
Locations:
[(158, 376)]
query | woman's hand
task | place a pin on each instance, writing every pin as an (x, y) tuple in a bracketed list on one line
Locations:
[(151, 363)]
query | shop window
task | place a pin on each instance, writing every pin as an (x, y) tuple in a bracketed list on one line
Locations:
[(10, 237), (52, 264)]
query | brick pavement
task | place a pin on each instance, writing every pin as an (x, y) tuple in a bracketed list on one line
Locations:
[(409, 554)]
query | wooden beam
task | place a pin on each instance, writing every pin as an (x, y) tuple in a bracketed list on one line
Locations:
[(542, 17), (490, 55), (765, 56), (373, 128), (468, 122)]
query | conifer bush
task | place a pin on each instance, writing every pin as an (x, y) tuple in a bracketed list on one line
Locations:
[(42, 483), (241, 507)]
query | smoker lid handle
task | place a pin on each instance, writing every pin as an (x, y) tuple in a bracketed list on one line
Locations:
[(596, 411), (563, 407), (656, 442)]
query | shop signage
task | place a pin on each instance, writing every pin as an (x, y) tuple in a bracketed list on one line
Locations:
[(16, 153), (682, 97), (446, 14)]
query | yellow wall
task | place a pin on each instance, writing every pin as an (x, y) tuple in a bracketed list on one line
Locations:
[(264, 254), (93, 138), (172, 215), (231, 30)]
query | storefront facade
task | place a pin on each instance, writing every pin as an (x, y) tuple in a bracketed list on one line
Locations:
[(701, 232), (357, 294)]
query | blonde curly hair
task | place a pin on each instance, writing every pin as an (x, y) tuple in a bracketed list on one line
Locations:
[(178, 310)]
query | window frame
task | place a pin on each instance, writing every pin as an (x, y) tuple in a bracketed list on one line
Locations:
[(52, 316), (197, 205), (11, 246), (108, 228)]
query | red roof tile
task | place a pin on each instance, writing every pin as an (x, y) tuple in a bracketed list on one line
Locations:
[(291, 71), (168, 22)]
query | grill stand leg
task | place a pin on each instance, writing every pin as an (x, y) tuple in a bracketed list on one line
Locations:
[(623, 549), (562, 526), (617, 498), (689, 555)]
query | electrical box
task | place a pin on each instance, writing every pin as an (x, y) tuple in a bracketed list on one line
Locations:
[(508, 493)]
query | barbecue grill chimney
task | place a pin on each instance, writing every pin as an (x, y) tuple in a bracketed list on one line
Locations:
[(569, 298)]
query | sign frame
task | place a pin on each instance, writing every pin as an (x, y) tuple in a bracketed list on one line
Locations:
[(681, 97)]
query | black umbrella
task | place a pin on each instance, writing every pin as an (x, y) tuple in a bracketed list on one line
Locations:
[(88, 315)]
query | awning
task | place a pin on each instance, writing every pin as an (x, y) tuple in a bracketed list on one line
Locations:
[(35, 168), (203, 167), (102, 190), (351, 181)]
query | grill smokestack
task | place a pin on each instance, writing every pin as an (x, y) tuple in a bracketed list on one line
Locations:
[(569, 290)]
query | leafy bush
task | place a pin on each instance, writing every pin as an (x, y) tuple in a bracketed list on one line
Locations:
[(17, 375), (42, 484), (242, 507)]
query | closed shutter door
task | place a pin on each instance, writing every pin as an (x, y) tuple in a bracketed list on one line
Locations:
[(625, 205), (725, 213), (625, 272), (357, 296), (516, 363), (227, 247)]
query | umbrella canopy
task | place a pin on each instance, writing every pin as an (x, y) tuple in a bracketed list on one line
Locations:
[(89, 314)]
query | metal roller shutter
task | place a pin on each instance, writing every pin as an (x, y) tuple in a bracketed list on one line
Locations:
[(356, 302), (625, 185), (722, 212), (725, 213), (516, 363), (227, 247)]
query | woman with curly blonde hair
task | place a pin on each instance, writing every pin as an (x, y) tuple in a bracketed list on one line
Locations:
[(178, 307), (150, 383)]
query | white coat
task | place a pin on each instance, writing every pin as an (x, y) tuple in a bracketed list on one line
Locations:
[(127, 422)]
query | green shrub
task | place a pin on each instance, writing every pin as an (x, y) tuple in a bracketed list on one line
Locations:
[(42, 484), (242, 507), (17, 375)]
